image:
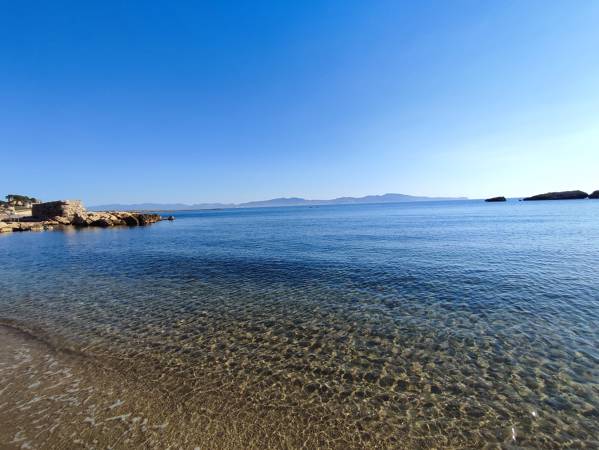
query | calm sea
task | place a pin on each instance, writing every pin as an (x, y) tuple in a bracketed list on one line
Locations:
[(432, 323)]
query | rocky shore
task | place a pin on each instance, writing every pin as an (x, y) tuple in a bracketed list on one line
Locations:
[(47, 216)]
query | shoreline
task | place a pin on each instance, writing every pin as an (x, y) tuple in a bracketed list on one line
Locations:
[(55, 399), (59, 397)]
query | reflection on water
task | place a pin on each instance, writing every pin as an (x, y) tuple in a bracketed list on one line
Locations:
[(447, 324)]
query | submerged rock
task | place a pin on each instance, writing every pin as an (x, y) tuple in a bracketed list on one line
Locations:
[(564, 195), (496, 199), (594, 195)]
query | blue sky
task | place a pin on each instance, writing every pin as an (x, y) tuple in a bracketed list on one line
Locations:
[(235, 101)]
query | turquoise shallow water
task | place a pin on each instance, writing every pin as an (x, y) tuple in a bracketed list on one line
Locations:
[(438, 324)]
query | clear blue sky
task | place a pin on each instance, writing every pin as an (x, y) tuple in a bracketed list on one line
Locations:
[(232, 101)]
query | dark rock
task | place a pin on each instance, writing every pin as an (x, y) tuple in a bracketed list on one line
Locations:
[(594, 195), (171, 218), (496, 199), (102, 222), (146, 219), (130, 220), (81, 220), (565, 195)]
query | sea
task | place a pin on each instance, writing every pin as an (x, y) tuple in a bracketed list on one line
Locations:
[(454, 324)]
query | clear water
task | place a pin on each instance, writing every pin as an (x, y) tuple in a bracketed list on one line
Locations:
[(448, 324)]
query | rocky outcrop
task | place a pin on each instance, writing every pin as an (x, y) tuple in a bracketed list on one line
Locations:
[(5, 227), (114, 218), (46, 216), (594, 195), (61, 220), (62, 208), (565, 195), (29, 226), (147, 219), (496, 199), (130, 220)]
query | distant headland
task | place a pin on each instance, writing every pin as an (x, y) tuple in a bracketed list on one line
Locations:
[(561, 195), (564, 195)]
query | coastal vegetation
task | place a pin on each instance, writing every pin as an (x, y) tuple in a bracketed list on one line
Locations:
[(18, 201)]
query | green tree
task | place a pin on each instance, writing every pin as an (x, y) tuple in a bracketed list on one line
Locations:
[(11, 198)]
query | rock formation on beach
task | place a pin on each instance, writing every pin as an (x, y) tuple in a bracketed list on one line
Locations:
[(46, 216), (564, 195), (594, 195), (496, 199)]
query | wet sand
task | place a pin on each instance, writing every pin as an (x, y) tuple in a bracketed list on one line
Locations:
[(56, 399)]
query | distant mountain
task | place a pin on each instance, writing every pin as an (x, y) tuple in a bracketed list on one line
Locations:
[(159, 206), (386, 198), (284, 201)]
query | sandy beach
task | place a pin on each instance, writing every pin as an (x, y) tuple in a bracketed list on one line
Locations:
[(59, 399)]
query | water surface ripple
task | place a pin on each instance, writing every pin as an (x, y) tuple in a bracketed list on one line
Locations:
[(445, 324)]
